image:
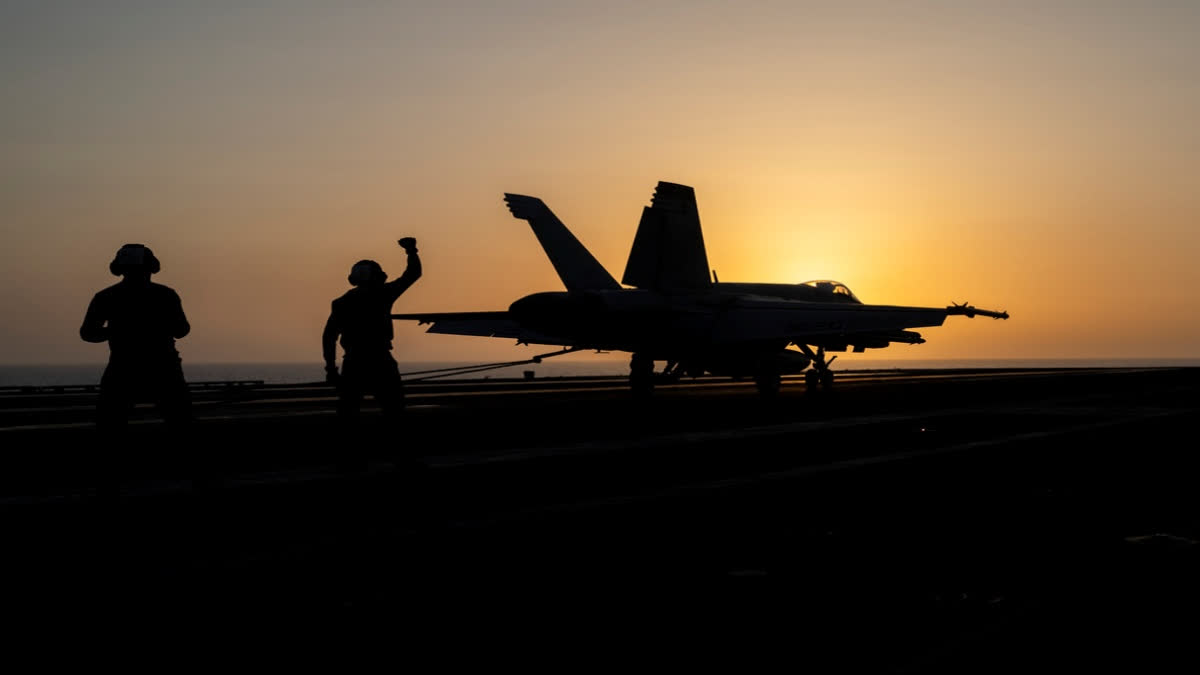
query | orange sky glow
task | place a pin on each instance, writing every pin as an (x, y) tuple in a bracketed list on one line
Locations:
[(1037, 157)]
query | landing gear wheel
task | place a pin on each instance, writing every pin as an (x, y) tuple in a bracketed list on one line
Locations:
[(827, 380), (641, 375), (768, 384), (812, 379)]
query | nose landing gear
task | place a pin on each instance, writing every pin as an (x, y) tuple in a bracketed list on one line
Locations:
[(819, 376)]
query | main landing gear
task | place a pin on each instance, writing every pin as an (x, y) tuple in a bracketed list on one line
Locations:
[(641, 375), (819, 376), (767, 380)]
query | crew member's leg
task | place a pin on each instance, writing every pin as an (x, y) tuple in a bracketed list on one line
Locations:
[(115, 401), (389, 392), (173, 399), (403, 449), (350, 391), (117, 389), (351, 445), (174, 403)]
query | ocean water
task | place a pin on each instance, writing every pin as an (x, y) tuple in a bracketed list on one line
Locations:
[(291, 373), (298, 373)]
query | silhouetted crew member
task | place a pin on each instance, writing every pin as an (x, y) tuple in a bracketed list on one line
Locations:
[(362, 317), (140, 320)]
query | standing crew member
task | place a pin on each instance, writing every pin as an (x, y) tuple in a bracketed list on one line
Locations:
[(362, 317), (140, 320)]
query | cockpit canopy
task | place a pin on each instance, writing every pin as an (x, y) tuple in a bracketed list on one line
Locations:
[(836, 289)]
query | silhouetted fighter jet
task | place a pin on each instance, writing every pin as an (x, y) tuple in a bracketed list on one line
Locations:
[(675, 313)]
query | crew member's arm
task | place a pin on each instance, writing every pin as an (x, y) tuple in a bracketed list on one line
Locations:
[(411, 273), (93, 328), (329, 345), (179, 323)]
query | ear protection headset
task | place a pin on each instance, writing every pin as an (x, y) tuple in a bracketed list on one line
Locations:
[(132, 256), (366, 272)]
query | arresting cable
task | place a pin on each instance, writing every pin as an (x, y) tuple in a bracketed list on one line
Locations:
[(479, 368)]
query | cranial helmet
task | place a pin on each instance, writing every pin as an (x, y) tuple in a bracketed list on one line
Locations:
[(366, 272), (131, 257)]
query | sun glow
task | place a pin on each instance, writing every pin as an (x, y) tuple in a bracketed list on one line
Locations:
[(969, 154)]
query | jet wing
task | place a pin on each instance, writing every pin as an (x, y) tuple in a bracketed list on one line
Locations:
[(814, 323), (479, 324)]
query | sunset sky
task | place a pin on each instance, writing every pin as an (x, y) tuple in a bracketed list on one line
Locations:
[(1038, 157)]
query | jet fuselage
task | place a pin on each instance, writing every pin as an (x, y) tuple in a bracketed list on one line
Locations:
[(730, 327)]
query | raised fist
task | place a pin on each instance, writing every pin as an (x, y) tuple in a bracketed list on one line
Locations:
[(409, 244)]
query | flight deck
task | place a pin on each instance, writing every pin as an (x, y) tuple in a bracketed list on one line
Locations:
[(904, 520)]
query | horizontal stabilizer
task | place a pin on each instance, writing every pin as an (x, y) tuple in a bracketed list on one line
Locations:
[(575, 265), (479, 324)]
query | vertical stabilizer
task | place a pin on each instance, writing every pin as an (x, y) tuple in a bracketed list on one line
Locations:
[(668, 249), (575, 265)]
